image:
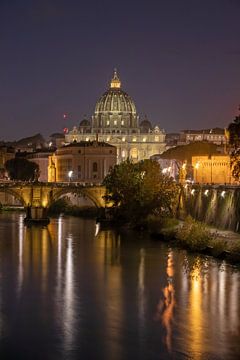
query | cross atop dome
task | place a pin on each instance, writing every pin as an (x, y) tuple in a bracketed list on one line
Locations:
[(115, 82)]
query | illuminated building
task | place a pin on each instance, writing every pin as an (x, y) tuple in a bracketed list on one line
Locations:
[(116, 122), (86, 161), (216, 136), (41, 158), (212, 169)]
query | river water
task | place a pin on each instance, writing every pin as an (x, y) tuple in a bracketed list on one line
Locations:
[(72, 291)]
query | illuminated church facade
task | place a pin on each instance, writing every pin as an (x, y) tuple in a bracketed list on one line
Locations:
[(115, 121)]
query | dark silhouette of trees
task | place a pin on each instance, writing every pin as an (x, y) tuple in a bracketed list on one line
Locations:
[(22, 169), (234, 143)]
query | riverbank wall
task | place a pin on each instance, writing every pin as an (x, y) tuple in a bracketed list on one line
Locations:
[(215, 205)]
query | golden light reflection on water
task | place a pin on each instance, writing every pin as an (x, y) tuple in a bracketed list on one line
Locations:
[(195, 315), (109, 263), (69, 297), (165, 310), (21, 235)]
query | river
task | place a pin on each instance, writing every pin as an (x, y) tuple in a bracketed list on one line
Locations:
[(71, 291)]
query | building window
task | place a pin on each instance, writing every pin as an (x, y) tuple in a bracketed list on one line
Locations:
[(115, 122), (79, 168), (156, 138), (123, 154), (122, 122), (134, 153), (108, 122), (95, 167)]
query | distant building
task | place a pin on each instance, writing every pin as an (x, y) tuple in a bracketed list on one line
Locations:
[(56, 140), (85, 161), (41, 158), (116, 122), (212, 169), (216, 136), (6, 153), (172, 139)]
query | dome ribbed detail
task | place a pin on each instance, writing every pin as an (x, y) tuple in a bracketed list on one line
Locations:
[(115, 101)]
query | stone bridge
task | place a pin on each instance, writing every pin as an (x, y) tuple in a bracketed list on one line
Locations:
[(36, 197)]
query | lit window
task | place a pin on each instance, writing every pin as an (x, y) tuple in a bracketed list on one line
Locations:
[(123, 139), (122, 122), (87, 138), (115, 122), (134, 139), (156, 138), (108, 122), (144, 139), (123, 153), (134, 153)]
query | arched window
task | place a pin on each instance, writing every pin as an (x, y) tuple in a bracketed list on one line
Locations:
[(95, 167)]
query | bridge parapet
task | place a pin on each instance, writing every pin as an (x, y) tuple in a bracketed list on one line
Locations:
[(41, 195)]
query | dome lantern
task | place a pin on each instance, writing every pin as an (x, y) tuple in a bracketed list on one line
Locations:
[(115, 82)]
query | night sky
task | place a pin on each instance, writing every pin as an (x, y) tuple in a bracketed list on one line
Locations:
[(178, 59)]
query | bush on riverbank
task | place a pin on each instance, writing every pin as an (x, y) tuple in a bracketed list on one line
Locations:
[(162, 227), (194, 235)]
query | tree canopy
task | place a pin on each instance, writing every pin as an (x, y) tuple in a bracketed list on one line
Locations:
[(234, 132), (22, 169), (138, 190), (234, 142)]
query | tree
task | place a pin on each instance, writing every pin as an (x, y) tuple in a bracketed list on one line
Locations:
[(234, 141), (234, 133), (138, 190), (22, 169)]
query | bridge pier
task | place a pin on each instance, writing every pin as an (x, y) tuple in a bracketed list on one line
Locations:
[(36, 215)]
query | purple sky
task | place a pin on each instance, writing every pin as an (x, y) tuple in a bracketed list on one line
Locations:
[(178, 60)]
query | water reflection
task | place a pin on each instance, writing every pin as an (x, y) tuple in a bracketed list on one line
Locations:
[(81, 294), (165, 311), (69, 297), (20, 253)]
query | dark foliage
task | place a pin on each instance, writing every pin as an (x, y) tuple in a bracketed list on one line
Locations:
[(22, 169)]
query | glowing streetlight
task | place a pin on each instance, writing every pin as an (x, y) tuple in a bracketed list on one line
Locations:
[(70, 174), (223, 193)]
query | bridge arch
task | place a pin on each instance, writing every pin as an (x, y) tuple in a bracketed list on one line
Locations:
[(85, 192), (15, 194)]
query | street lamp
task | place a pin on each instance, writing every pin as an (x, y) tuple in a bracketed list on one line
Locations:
[(197, 167), (70, 174)]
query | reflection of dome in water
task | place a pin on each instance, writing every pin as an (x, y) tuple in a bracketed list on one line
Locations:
[(115, 100)]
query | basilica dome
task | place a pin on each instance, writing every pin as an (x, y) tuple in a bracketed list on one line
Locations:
[(115, 100)]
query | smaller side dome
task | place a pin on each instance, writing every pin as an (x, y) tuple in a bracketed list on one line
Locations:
[(84, 122), (145, 125), (85, 126)]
